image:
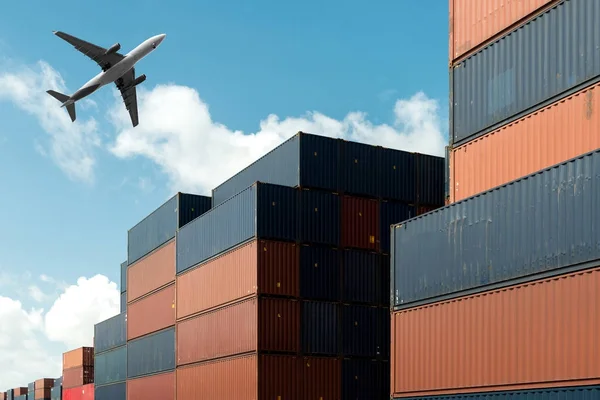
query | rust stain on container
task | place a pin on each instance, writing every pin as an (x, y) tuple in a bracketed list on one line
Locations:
[(151, 272), (554, 134), (474, 23), (360, 223), (248, 326), (151, 313), (161, 386), (263, 267), (82, 356), (539, 334)]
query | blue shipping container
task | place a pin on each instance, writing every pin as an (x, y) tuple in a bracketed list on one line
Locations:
[(58, 381), (566, 393), (56, 393), (541, 223), (21, 397), (151, 354), (160, 226), (391, 213), (124, 276), (430, 180), (447, 172), (10, 394), (123, 302), (365, 379), (319, 273), (363, 274), (360, 331), (540, 62), (110, 366), (116, 391), (320, 328), (359, 169), (110, 333), (31, 387)]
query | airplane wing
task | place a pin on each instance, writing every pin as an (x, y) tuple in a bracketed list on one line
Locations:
[(129, 94), (96, 53)]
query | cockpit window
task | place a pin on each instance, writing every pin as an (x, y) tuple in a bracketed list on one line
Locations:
[(153, 45)]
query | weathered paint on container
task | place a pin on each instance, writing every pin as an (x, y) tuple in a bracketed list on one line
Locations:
[(539, 62), (116, 391), (78, 357), (151, 354), (124, 276), (77, 376), (319, 217), (473, 23), (538, 334), (558, 132), (362, 331), (360, 223), (152, 313), (320, 328), (264, 324), (430, 180), (538, 224), (110, 333), (151, 272), (319, 273), (160, 226), (364, 278), (365, 379), (85, 392), (160, 386), (123, 303), (257, 267), (392, 213), (111, 366), (555, 393)]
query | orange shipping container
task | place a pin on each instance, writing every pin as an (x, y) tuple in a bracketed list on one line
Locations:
[(475, 23), (554, 134), (257, 324), (44, 383), (152, 272), (83, 356), (259, 267), (161, 386), (538, 334), (151, 313), (41, 393), (262, 377)]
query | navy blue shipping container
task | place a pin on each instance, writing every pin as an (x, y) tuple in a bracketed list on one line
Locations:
[(56, 393), (363, 277), (566, 393), (365, 379), (383, 324), (430, 180), (360, 331), (110, 366), (397, 175), (319, 273), (123, 302), (360, 169), (538, 63), (541, 223), (151, 354), (124, 277), (320, 328), (319, 217), (160, 226), (117, 391), (110, 333), (391, 213)]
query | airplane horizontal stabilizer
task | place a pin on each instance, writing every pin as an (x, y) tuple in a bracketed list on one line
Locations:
[(63, 98)]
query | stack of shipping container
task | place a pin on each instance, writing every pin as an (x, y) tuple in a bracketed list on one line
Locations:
[(78, 373), (502, 296), (56, 391), (41, 389)]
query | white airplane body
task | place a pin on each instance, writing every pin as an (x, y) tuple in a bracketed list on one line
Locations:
[(116, 68)]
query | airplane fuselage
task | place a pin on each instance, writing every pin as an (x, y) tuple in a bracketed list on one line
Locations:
[(117, 70)]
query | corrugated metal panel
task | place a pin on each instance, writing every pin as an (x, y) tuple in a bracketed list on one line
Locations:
[(111, 392), (360, 223), (110, 333), (473, 22), (161, 386), (124, 276), (540, 333), (151, 354), (556, 393), (385, 280), (321, 378), (430, 180), (151, 272), (276, 212), (319, 217), (279, 325), (362, 276), (319, 273), (552, 135), (365, 379), (78, 376), (78, 357), (152, 313), (160, 226), (392, 212), (279, 268), (319, 162), (279, 377), (85, 392), (320, 328), (447, 172), (540, 223), (383, 322), (396, 174), (123, 303), (359, 167), (541, 61), (360, 331), (111, 366)]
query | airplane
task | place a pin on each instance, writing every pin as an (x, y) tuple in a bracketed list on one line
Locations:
[(116, 67)]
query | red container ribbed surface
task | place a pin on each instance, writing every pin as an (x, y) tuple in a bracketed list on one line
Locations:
[(152, 313), (41, 393), (77, 376), (360, 223), (85, 392), (161, 386), (152, 272)]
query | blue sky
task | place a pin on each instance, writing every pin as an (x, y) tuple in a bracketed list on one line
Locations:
[(230, 65)]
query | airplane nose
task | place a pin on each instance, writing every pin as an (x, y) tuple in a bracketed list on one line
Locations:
[(163, 36)]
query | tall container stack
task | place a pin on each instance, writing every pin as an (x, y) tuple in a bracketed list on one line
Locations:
[(110, 353), (56, 391), (78, 368), (41, 389), (124, 287), (19, 393), (282, 286)]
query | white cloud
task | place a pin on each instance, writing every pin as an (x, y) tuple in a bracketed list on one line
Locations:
[(36, 293)]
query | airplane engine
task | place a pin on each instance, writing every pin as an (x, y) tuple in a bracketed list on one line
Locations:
[(114, 48), (139, 80)]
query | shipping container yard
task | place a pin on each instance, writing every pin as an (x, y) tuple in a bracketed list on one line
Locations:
[(336, 270)]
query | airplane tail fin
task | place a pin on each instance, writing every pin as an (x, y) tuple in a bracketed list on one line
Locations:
[(63, 98)]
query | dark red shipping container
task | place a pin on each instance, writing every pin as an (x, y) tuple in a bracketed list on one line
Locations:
[(77, 376), (152, 313), (161, 386), (78, 357), (425, 209), (360, 223), (44, 383), (85, 392), (19, 391), (42, 393), (257, 324)]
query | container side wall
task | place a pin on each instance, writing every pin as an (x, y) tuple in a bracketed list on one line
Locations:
[(78, 357), (277, 212), (392, 212), (123, 276), (359, 167), (397, 175), (430, 180), (320, 328), (541, 61), (279, 377), (151, 354), (321, 378), (109, 334), (360, 223), (111, 366), (319, 273), (447, 172), (151, 272), (499, 340), (365, 379), (319, 217), (556, 133), (538, 224), (123, 303), (278, 325), (360, 329), (361, 277), (319, 162), (152, 313), (45, 393), (191, 206), (218, 230), (161, 386), (111, 392), (566, 393), (278, 268), (78, 376)]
